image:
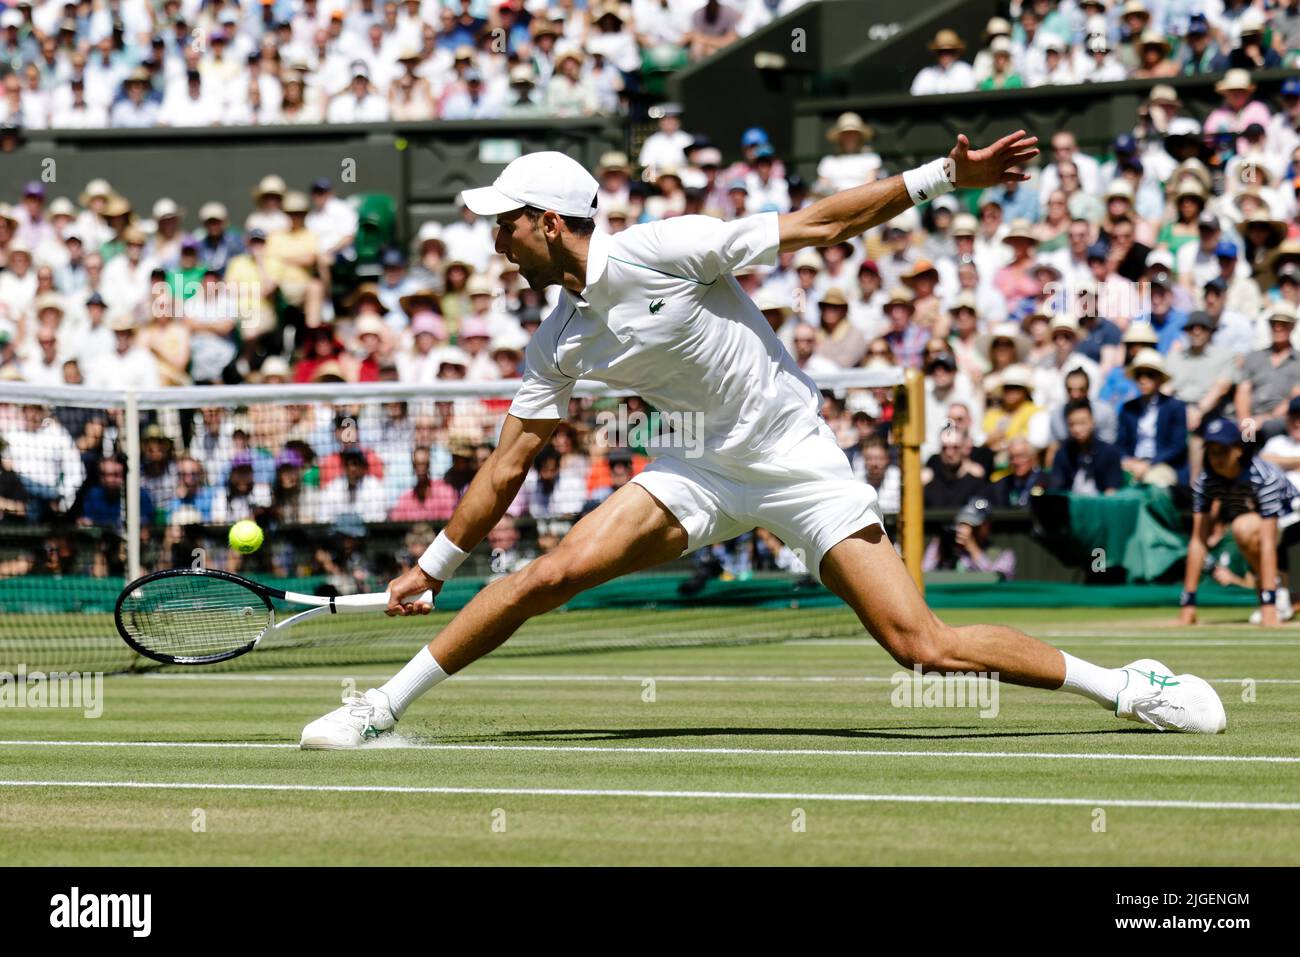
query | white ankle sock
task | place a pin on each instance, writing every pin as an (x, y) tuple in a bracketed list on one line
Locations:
[(417, 676), (1102, 685)]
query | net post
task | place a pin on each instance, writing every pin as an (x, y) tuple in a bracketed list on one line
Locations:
[(131, 413), (911, 401)]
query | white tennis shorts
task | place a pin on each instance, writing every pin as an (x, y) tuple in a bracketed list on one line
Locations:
[(807, 497)]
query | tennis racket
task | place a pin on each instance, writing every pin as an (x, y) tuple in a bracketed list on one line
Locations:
[(189, 616)]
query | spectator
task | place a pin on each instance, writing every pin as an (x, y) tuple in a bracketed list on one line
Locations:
[(292, 501), (355, 492), (1079, 385), (1200, 53), (243, 497), (949, 73), (46, 461), (1153, 427), (906, 340), (1024, 480), (965, 545), (839, 341), (1270, 377), (192, 503), (1201, 373), (853, 164), (951, 477), (713, 26), (1002, 72), (1283, 449), (1238, 110), (1013, 415), (1085, 464), (129, 365), (426, 500)]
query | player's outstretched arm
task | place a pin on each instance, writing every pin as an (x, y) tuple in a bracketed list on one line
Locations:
[(484, 502), (852, 212)]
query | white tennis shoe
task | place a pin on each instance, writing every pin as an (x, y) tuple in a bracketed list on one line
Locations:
[(1169, 702), (362, 716)]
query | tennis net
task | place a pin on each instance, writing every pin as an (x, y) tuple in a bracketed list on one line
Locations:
[(350, 483)]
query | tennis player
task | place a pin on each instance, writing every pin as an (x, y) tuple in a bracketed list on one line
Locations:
[(655, 310)]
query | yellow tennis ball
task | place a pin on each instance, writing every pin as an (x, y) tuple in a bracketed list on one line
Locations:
[(246, 536)]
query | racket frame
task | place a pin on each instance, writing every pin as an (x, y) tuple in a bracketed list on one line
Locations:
[(318, 605)]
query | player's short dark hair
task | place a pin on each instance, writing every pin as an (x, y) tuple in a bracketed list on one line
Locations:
[(578, 225), (1074, 405)]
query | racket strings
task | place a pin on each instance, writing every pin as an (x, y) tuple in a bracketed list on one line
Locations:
[(194, 616)]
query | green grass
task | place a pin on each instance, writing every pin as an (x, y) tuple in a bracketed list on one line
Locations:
[(595, 700)]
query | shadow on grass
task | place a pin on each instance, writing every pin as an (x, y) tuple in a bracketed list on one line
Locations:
[(941, 733)]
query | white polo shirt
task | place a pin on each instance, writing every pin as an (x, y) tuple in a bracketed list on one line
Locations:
[(705, 350)]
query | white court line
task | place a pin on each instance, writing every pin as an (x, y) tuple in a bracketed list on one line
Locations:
[(698, 795), (705, 679), (624, 749)]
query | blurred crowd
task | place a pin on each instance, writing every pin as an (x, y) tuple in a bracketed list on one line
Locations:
[(1074, 331), (1062, 42), (88, 64)]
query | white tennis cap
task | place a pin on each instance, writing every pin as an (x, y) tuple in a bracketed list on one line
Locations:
[(545, 180)]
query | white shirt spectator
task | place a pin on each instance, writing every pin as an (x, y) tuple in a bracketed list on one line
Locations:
[(347, 108), (469, 241), (47, 456), (36, 371), (567, 495), (181, 109), (663, 21), (367, 500), (128, 115), (333, 222), (125, 285), (846, 170), (665, 149), (88, 116), (16, 294), (934, 79), (135, 369)]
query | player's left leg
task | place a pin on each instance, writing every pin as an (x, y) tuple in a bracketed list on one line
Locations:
[(865, 571)]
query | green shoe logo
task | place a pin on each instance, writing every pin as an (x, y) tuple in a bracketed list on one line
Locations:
[(1164, 681), (656, 306)]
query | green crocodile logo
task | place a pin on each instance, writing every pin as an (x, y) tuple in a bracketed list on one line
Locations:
[(656, 306)]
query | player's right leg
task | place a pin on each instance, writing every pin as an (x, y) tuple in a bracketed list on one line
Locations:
[(867, 573), (630, 531)]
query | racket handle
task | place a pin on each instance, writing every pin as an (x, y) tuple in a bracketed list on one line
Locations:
[(376, 601)]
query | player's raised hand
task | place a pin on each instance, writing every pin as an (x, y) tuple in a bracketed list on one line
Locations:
[(410, 583), (999, 163)]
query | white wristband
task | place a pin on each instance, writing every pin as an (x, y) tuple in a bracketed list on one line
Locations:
[(933, 179), (441, 559)]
